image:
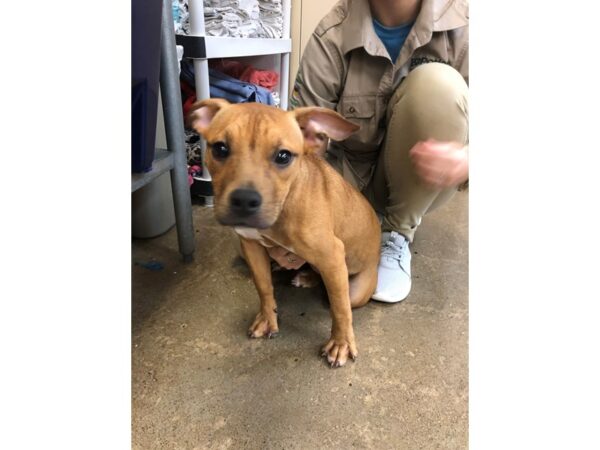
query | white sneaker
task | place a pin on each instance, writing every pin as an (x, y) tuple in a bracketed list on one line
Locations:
[(393, 275)]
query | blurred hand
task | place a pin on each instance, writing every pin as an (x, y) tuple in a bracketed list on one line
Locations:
[(441, 165), (285, 259)]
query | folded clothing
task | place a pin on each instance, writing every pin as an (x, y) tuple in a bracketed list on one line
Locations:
[(245, 72), (235, 18), (271, 19), (227, 87), (182, 17), (237, 91)]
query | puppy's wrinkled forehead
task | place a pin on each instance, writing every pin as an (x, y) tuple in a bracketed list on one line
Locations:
[(256, 127)]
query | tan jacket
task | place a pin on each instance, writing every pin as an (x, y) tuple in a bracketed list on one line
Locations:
[(346, 67)]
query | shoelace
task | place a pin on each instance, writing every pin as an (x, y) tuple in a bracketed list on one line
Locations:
[(391, 250)]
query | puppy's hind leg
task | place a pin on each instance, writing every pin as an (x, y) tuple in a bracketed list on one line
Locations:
[(362, 286)]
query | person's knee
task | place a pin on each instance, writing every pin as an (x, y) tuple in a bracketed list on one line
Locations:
[(436, 82), (432, 90)]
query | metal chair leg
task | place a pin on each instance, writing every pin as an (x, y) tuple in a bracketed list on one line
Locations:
[(173, 114)]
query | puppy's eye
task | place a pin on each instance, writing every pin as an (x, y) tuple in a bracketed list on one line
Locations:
[(283, 158), (220, 150)]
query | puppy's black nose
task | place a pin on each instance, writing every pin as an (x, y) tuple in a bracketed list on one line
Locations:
[(245, 202)]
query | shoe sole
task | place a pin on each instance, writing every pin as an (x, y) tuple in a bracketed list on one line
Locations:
[(383, 299)]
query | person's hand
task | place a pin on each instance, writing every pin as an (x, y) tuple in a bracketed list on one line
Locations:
[(284, 258), (441, 165)]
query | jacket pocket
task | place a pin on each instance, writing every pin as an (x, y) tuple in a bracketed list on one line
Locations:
[(358, 107), (363, 111)]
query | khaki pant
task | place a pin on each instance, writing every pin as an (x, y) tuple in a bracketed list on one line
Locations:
[(431, 103)]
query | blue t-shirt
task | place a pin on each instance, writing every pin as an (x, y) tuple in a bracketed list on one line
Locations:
[(392, 37)]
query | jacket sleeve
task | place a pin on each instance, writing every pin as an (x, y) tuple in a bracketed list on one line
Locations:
[(460, 39), (320, 75)]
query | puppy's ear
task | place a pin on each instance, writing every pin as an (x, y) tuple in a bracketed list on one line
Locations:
[(317, 124), (203, 112)]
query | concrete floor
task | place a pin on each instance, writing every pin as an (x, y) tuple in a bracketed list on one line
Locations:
[(198, 382)]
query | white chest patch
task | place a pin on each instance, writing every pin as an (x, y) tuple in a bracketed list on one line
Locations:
[(248, 233), (253, 234)]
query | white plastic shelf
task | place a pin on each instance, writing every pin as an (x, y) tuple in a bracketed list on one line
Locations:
[(209, 47), (227, 47), (163, 161)]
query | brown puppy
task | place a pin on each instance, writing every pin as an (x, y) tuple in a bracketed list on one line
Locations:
[(272, 184)]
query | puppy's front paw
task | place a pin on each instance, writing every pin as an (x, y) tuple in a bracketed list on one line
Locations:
[(264, 325), (338, 350)]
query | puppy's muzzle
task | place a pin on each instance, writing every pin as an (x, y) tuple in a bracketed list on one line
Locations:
[(244, 202)]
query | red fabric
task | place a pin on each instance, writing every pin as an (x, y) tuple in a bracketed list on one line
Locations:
[(265, 78), (245, 72), (188, 94)]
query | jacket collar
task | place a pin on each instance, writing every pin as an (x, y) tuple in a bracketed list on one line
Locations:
[(435, 15)]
